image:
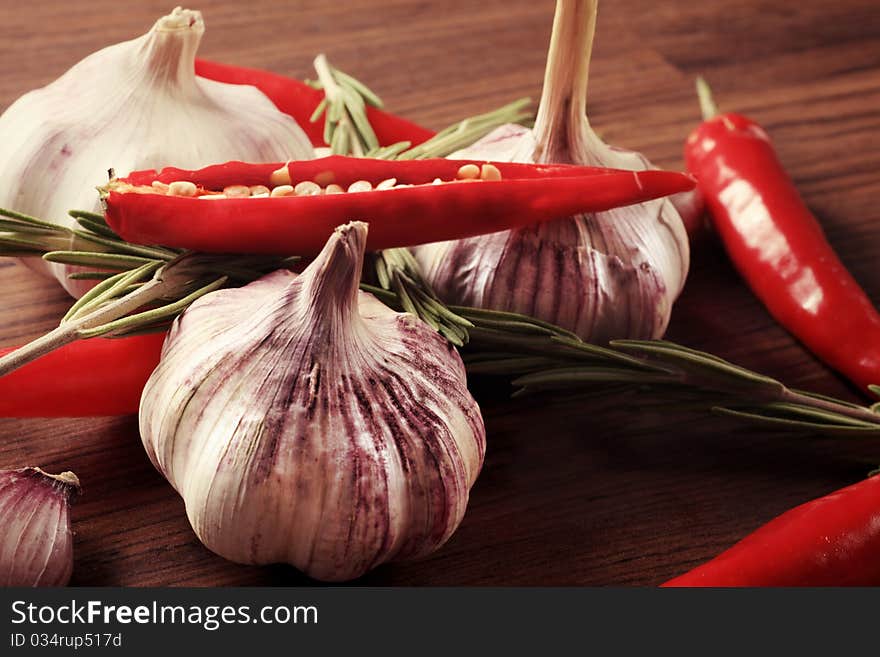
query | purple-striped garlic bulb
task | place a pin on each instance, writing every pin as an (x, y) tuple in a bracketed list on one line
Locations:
[(37, 544), (305, 422), (608, 275), (133, 105)]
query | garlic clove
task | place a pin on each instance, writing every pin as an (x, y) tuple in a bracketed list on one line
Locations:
[(305, 422), (134, 105), (608, 275), (37, 549)]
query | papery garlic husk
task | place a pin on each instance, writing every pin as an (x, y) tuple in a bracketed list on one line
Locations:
[(37, 544), (134, 105), (609, 275), (305, 422)]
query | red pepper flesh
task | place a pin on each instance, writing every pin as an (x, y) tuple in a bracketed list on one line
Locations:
[(401, 216), (831, 541), (779, 248), (299, 100), (87, 378)]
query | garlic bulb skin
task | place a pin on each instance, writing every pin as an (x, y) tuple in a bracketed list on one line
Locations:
[(305, 422), (37, 543), (608, 275), (133, 105)]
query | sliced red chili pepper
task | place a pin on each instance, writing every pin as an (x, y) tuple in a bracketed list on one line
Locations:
[(87, 378), (779, 248), (415, 212), (299, 100), (831, 541)]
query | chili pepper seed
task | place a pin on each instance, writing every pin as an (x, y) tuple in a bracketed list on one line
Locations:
[(282, 190), (490, 172), (307, 188), (280, 177), (360, 186), (182, 188), (235, 191), (468, 172)]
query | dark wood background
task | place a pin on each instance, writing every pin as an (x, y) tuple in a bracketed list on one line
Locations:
[(571, 494)]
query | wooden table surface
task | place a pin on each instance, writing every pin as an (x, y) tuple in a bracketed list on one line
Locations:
[(570, 494)]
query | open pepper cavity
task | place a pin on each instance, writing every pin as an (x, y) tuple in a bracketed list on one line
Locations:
[(292, 208)]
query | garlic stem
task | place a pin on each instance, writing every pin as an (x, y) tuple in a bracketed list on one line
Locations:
[(563, 106), (332, 290), (170, 56)]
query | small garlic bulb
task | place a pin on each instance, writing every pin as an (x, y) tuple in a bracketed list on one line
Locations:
[(609, 275), (305, 422), (134, 105), (37, 544)]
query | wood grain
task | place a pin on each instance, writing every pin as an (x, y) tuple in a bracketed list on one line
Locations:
[(571, 493)]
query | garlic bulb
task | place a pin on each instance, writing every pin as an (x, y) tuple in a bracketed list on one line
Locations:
[(37, 545), (304, 422), (133, 105), (609, 275)]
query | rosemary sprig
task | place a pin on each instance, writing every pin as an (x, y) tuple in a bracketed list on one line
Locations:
[(140, 287), (349, 131), (459, 135), (398, 271), (539, 357)]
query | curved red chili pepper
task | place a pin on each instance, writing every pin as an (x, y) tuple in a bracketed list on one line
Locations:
[(299, 100), (779, 247), (831, 541), (401, 216), (87, 378)]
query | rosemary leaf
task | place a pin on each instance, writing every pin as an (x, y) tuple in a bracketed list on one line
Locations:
[(28, 219), (155, 315), (564, 377), (319, 110), (97, 228), (358, 88), (119, 261), (25, 228), (107, 290), (88, 215), (699, 363), (770, 420), (89, 275)]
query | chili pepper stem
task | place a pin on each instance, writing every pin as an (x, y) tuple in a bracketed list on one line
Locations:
[(708, 108)]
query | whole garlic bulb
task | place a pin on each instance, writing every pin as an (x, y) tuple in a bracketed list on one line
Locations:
[(609, 275), (37, 545), (304, 422), (133, 105)]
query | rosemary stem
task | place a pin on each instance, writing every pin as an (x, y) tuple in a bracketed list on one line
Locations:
[(58, 337), (69, 332), (325, 76)]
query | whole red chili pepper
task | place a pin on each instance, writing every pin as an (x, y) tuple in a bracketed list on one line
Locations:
[(831, 541), (299, 100), (415, 212), (778, 246), (88, 378)]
